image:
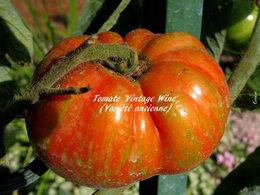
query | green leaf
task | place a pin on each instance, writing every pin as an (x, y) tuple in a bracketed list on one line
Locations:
[(254, 82), (133, 21), (49, 27), (7, 91), (112, 20), (213, 33), (7, 85), (16, 39), (4, 69), (86, 15), (172, 184), (72, 18), (4, 74), (37, 24), (246, 174), (214, 41), (184, 16)]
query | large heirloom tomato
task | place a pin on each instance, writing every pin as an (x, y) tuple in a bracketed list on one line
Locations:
[(165, 118)]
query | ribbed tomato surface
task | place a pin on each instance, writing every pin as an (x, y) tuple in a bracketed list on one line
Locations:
[(90, 141)]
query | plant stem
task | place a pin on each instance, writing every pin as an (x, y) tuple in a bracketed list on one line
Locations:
[(85, 52), (66, 91), (28, 99), (112, 20), (246, 66)]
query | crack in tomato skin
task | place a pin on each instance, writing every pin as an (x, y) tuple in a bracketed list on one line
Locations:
[(115, 148)]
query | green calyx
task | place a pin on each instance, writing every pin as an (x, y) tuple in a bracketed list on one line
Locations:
[(119, 58)]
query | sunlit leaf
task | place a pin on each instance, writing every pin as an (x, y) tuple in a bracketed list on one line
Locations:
[(4, 74), (16, 39), (213, 26), (72, 17), (86, 16), (112, 20), (254, 82), (184, 16)]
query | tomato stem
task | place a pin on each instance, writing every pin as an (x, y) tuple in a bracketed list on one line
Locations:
[(66, 91), (23, 102), (246, 66), (112, 20), (86, 52), (126, 63)]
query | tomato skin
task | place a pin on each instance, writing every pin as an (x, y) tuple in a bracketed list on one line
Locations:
[(100, 155), (79, 140), (170, 41), (138, 38), (56, 53), (110, 37), (67, 45), (195, 121), (241, 24)]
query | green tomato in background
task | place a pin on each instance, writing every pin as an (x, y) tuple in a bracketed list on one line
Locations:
[(241, 25)]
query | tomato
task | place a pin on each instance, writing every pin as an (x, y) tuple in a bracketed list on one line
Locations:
[(241, 24), (166, 121)]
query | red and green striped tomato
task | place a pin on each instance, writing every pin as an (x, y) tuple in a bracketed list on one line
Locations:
[(80, 140)]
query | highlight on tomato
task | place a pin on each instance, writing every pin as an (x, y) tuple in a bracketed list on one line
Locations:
[(164, 116)]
